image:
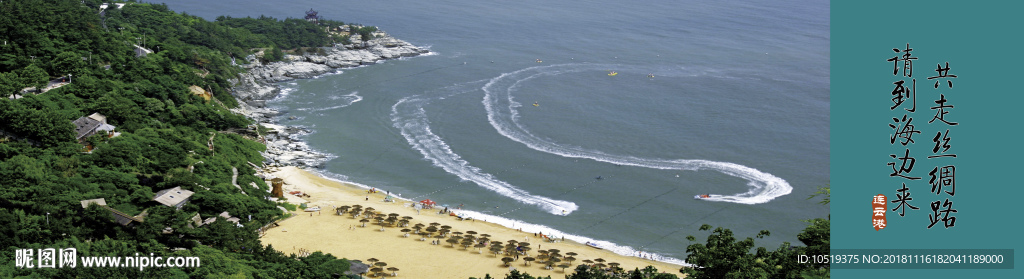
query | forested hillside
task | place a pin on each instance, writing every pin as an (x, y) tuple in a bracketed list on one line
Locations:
[(134, 65)]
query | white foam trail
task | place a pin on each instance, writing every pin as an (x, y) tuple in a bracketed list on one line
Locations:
[(409, 116), (503, 116), (349, 99)]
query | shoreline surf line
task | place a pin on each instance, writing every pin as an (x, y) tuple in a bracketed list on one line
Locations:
[(508, 223)]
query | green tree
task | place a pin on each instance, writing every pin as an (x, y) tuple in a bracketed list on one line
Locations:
[(33, 75), (724, 257), (67, 62), (10, 84)]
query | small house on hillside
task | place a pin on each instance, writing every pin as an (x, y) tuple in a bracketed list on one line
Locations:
[(90, 125), (175, 197), (122, 218), (141, 51)]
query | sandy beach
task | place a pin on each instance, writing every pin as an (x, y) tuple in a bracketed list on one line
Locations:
[(345, 237)]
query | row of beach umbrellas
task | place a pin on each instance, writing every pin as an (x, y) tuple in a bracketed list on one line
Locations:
[(549, 258)]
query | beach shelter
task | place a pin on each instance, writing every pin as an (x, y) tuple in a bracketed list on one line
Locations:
[(427, 203)]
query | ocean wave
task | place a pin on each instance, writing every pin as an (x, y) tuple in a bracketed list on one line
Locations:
[(409, 116), (503, 116)]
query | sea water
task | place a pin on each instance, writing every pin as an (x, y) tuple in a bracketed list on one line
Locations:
[(515, 114)]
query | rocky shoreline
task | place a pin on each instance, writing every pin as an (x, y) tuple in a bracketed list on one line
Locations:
[(255, 87)]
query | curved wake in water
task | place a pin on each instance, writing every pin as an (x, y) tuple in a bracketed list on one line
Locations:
[(503, 116), (409, 116)]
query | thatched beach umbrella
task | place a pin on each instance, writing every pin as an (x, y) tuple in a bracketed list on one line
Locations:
[(599, 260), (364, 221), (452, 241), (406, 231), (447, 227), (587, 261), (507, 260), (554, 251), (376, 270), (571, 254), (394, 271), (495, 250), (570, 259), (528, 260), (485, 235), (524, 248), (563, 266), (479, 247), (372, 260), (434, 224), (523, 244), (380, 264)]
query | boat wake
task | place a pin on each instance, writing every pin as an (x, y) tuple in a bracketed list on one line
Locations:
[(409, 116), (503, 116)]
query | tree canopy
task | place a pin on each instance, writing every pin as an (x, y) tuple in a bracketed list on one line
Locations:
[(163, 133)]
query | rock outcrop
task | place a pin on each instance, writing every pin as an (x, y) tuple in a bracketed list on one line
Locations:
[(253, 88)]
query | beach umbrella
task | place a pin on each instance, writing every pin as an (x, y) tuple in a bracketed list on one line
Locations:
[(376, 270), (466, 244), (434, 224), (380, 264), (588, 261), (570, 259), (470, 232), (506, 260), (554, 251), (406, 231), (457, 233), (447, 227), (563, 266), (571, 254), (452, 241), (372, 260), (495, 250), (512, 241), (393, 270), (524, 244), (379, 274), (545, 252), (364, 221), (432, 229), (394, 215), (479, 246), (528, 260), (485, 235)]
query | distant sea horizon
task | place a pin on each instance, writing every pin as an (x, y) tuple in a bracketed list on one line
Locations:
[(517, 116)]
